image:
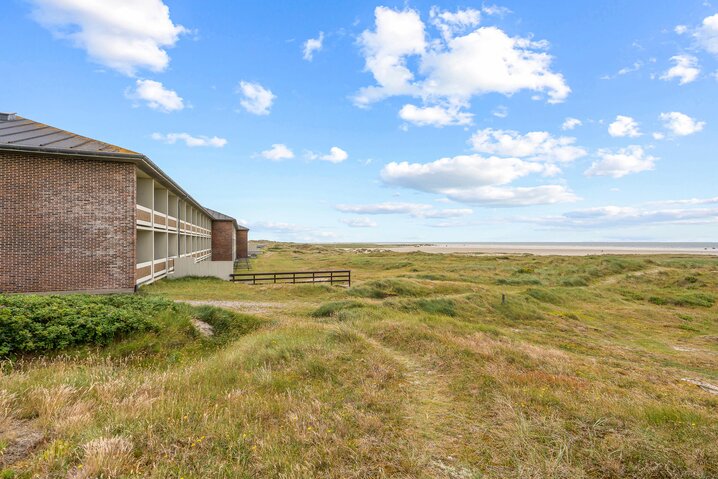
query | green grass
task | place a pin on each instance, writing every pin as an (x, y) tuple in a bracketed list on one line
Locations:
[(418, 370)]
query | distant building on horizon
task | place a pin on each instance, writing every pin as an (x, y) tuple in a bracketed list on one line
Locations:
[(78, 214)]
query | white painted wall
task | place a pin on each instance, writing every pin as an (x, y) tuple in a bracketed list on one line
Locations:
[(217, 269)]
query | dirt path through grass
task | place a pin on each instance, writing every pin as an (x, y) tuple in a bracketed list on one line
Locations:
[(247, 307), (432, 414)]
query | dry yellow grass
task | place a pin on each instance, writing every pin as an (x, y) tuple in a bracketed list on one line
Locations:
[(417, 371)]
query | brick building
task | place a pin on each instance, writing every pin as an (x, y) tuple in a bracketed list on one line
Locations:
[(77, 214)]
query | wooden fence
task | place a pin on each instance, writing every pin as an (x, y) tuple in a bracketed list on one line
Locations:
[(294, 277)]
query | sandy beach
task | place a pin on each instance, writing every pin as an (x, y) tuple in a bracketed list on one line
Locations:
[(557, 249)]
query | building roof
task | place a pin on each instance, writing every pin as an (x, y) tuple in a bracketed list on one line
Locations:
[(217, 216), (25, 135), (23, 132)]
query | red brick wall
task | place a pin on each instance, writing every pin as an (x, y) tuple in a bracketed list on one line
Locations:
[(242, 244), (66, 224), (222, 241)]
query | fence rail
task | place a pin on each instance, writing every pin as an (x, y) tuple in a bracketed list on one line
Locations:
[(294, 277)]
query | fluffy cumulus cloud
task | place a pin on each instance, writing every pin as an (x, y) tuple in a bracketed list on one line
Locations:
[(124, 35), (685, 69), (621, 162), (362, 222), (255, 98), (478, 180), (434, 115), (464, 60), (277, 152), (335, 155), (624, 126), (707, 34), (485, 177), (571, 123), (681, 124), (311, 46), (156, 96), (190, 140), (534, 145), (417, 210), (452, 23), (623, 216)]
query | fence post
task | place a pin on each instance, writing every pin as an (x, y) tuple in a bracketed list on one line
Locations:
[(350, 278)]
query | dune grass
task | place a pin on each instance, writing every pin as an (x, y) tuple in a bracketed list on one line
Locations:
[(419, 370)]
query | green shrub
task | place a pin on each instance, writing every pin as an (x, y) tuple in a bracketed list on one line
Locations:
[(518, 281), (519, 309), (572, 281), (225, 322), (31, 324), (434, 277), (334, 307), (703, 300), (544, 296), (385, 288), (399, 265), (443, 306)]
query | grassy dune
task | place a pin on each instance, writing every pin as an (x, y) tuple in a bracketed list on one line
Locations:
[(418, 370)]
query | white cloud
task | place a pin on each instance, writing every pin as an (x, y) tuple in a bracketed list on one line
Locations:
[(396, 36), (125, 35), (680, 29), (454, 68), (624, 126), (689, 201), (463, 171), (359, 222), (336, 155), (475, 179), (488, 60), (451, 23), (622, 216), (417, 210), (189, 140), (513, 196), (632, 159), (686, 69), (434, 115), (707, 34), (156, 96), (278, 152), (657, 135), (495, 10), (292, 231), (255, 98), (571, 123), (534, 145), (313, 45), (500, 111), (637, 65), (681, 124)]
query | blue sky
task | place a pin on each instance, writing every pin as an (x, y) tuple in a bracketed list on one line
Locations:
[(395, 121)]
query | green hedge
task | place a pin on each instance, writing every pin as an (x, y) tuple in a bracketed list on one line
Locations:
[(32, 324)]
